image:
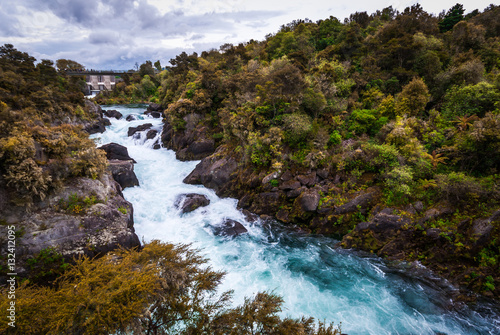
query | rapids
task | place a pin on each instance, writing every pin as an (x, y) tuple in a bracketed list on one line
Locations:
[(314, 277)]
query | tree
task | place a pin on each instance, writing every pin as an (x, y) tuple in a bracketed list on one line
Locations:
[(413, 99), (454, 15), (146, 69), (157, 65), (68, 65)]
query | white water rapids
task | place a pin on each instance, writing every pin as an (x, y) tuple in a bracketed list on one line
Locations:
[(314, 278)]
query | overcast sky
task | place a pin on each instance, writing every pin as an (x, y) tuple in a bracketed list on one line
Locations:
[(115, 34)]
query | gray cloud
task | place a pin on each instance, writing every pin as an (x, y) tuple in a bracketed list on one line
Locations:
[(108, 37)]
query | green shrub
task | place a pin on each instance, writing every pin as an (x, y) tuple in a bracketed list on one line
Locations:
[(459, 187), (399, 181), (471, 99), (296, 128), (335, 138), (366, 121), (46, 266)]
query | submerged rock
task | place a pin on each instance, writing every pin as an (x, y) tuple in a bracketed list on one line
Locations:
[(190, 202), (229, 228), (113, 113), (142, 127)]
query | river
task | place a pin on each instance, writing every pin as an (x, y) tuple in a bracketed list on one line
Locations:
[(313, 276)]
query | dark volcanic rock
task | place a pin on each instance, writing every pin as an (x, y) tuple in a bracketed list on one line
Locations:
[(151, 134), (131, 117), (98, 123), (384, 224), (213, 172), (116, 151), (154, 107), (229, 228), (98, 126), (123, 173), (266, 202), (307, 180), (113, 113), (142, 127), (290, 185), (359, 203), (308, 200), (191, 201), (193, 142)]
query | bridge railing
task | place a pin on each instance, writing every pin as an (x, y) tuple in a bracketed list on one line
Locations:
[(96, 72)]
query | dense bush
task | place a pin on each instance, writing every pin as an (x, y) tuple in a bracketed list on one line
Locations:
[(162, 289)]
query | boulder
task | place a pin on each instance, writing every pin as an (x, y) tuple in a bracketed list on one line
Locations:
[(193, 142), (269, 177), (229, 228), (154, 107), (384, 224), (191, 201), (308, 200), (113, 113), (359, 203), (482, 228), (97, 126), (142, 127), (322, 173), (116, 151), (201, 148), (123, 173), (131, 117), (307, 180), (290, 185), (296, 192), (151, 134)]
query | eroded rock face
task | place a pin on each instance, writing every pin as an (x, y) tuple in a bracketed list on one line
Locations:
[(98, 123), (213, 172), (190, 202), (192, 143), (123, 172), (85, 217), (229, 228)]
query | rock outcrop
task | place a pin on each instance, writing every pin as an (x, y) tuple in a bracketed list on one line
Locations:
[(123, 172), (191, 144), (116, 151), (121, 165), (98, 123), (85, 217)]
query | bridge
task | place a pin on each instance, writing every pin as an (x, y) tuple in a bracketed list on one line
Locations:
[(99, 80)]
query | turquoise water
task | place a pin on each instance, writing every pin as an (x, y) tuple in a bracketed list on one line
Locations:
[(313, 276)]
